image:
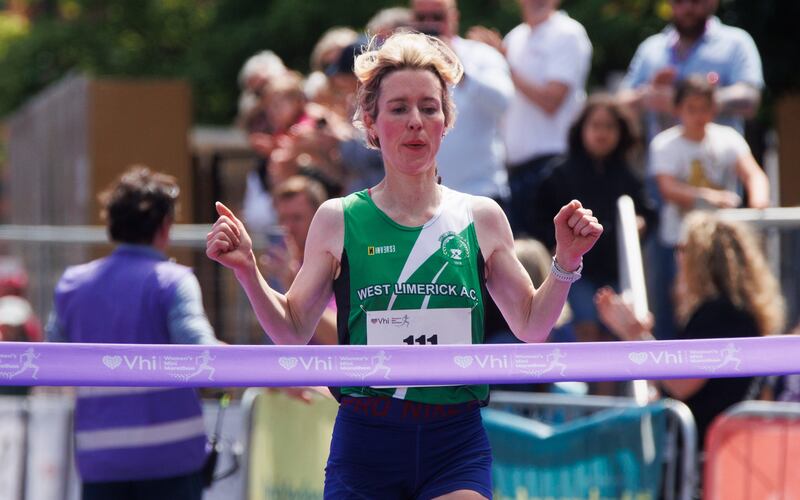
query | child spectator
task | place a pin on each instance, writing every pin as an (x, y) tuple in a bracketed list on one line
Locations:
[(697, 165)]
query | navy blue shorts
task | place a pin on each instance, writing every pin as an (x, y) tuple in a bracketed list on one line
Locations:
[(385, 448)]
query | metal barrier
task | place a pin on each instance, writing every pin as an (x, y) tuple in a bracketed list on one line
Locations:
[(36, 448), (13, 427), (47, 250), (681, 449), (752, 451), (35, 442), (38, 460)]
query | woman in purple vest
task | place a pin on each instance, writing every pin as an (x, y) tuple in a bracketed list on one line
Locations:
[(136, 442)]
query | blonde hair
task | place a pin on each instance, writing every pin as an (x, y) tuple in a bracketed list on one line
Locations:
[(404, 51), (723, 259)]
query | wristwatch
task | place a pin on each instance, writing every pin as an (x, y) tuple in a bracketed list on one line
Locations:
[(560, 274)]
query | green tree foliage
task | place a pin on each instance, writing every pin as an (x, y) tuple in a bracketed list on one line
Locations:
[(206, 41), (119, 38)]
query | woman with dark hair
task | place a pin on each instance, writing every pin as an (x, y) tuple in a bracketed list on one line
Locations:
[(596, 171)]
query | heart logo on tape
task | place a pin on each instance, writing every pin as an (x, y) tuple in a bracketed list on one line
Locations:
[(638, 357), (463, 361), (112, 362), (287, 363)]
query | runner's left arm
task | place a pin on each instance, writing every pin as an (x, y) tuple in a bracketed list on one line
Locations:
[(531, 313)]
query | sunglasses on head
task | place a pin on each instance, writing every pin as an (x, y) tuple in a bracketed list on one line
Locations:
[(436, 17)]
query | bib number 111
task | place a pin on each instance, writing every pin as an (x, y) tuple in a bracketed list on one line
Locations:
[(422, 340)]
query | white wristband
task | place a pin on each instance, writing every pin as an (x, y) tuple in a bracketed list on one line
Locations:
[(566, 276)]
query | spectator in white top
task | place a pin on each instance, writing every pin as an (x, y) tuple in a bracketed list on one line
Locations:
[(549, 55), (697, 165), (695, 42), (472, 157)]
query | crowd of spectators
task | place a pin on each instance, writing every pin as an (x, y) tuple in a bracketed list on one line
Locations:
[(528, 136)]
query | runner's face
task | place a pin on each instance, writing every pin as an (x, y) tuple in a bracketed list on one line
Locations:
[(410, 120)]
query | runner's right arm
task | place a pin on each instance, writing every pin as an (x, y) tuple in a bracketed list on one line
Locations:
[(293, 317)]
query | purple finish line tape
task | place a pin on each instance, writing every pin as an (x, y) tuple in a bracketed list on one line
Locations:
[(229, 366)]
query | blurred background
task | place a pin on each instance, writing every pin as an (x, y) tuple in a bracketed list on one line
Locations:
[(155, 81), (90, 87)]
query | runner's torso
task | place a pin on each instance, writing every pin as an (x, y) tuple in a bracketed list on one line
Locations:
[(410, 286)]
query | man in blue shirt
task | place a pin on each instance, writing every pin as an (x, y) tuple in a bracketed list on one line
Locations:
[(695, 42)]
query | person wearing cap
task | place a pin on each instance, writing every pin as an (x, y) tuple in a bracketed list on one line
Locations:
[(340, 73), (386, 21), (18, 323)]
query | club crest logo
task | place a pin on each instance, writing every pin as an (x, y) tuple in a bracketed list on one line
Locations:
[(454, 248)]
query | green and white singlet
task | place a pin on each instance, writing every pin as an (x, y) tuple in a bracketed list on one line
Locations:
[(411, 286)]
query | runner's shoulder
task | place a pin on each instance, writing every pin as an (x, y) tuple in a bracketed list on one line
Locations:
[(327, 228), (330, 215), (487, 212)]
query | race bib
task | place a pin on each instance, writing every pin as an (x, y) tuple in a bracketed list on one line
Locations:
[(420, 327)]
